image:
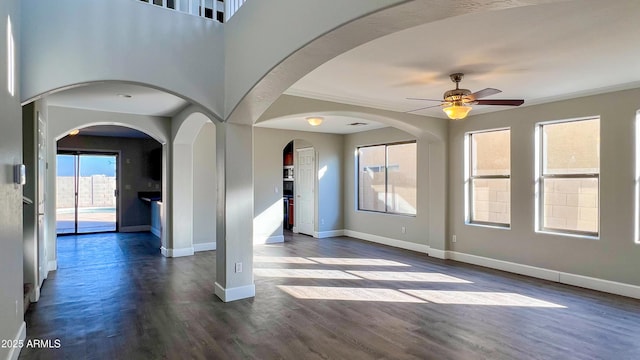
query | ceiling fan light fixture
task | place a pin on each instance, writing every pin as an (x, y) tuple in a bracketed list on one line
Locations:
[(456, 111), (315, 120)]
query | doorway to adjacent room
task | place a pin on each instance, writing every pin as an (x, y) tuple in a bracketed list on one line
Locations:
[(86, 192)]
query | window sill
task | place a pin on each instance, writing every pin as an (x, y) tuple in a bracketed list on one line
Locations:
[(385, 213), (558, 233), (488, 225)]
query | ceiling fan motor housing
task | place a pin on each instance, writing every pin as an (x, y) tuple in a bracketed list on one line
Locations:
[(456, 95)]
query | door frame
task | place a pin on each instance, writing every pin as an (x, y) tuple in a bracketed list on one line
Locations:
[(297, 187), (117, 154)]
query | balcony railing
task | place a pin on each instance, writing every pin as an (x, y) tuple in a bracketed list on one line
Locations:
[(220, 10)]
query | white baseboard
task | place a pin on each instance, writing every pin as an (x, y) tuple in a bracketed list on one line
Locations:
[(587, 282), (35, 294), (233, 294), (14, 352), (258, 240), (438, 254), (388, 241), (601, 285), (136, 228), (327, 234), (156, 231), (173, 253), (52, 265), (210, 246), (515, 268)]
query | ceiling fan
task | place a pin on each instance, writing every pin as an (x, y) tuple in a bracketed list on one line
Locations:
[(457, 102)]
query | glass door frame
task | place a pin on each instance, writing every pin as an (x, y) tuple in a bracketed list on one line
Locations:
[(78, 153)]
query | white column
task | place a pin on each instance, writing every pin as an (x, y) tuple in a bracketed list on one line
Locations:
[(234, 253)]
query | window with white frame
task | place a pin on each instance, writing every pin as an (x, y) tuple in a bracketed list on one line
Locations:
[(569, 176), (387, 178), (489, 177)]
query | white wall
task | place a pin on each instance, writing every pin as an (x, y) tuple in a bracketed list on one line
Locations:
[(11, 318), (70, 42), (267, 151), (615, 255), (204, 186)]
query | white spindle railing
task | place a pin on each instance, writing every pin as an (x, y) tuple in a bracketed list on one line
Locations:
[(220, 10), (230, 8)]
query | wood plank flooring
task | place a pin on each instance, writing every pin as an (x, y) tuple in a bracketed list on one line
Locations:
[(115, 297)]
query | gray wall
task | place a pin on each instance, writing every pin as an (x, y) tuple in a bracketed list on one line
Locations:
[(204, 185), (133, 175), (268, 146), (11, 317), (615, 255), (385, 225)]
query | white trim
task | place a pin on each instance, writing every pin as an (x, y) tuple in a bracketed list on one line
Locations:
[(327, 234), (173, 253), (35, 294), (587, 282), (14, 352), (210, 246), (438, 254), (608, 286), (52, 265), (233, 294), (262, 239), (388, 241), (135, 228)]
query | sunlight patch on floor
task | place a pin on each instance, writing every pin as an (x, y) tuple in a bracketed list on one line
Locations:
[(408, 276), (305, 274), (282, 260), (356, 261), (480, 298), (348, 294)]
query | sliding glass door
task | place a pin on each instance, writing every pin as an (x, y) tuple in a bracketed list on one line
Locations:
[(86, 194)]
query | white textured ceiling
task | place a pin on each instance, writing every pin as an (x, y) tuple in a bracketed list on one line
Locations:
[(106, 96), (331, 124), (536, 53)]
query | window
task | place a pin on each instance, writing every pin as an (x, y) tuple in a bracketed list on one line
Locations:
[(569, 176), (489, 178), (11, 59), (387, 178)]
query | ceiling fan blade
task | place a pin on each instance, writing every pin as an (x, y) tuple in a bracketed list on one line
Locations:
[(423, 108), (501, 102), (483, 93), (424, 99)]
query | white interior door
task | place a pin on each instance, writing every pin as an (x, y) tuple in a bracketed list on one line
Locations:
[(305, 191)]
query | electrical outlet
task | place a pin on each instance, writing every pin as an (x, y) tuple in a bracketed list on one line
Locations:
[(321, 221), (404, 230), (275, 189), (16, 307), (239, 267), (453, 238)]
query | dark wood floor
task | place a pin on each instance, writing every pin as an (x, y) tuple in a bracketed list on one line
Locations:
[(115, 297)]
